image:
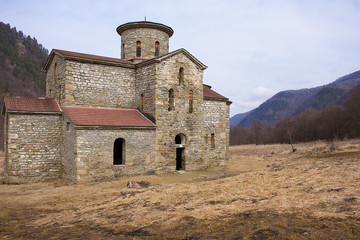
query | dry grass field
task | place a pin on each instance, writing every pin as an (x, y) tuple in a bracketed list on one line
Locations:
[(265, 192)]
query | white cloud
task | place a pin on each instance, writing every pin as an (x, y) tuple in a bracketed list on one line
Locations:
[(262, 92)]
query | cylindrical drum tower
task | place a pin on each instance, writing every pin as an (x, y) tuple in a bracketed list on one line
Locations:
[(144, 40)]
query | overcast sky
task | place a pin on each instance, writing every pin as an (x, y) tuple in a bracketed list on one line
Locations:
[(253, 48)]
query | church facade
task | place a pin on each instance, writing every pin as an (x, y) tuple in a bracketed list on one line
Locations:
[(146, 112)]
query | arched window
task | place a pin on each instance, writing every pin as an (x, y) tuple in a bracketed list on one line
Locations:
[(171, 100), (178, 139), (138, 49), (212, 140), (157, 44), (191, 101), (142, 102), (119, 150), (181, 75)]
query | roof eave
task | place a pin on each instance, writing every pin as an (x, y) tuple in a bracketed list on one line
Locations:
[(79, 127), (48, 60), (82, 59), (216, 99), (181, 50), (102, 62), (30, 112)]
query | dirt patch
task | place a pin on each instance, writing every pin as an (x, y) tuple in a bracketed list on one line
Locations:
[(265, 192)]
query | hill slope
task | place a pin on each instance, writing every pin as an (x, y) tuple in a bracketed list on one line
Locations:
[(235, 120), (21, 61), (292, 102)]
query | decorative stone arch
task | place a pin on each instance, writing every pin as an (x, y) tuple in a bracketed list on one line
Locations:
[(180, 138), (119, 152)]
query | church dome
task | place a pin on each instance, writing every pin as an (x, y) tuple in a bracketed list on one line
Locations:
[(144, 40)]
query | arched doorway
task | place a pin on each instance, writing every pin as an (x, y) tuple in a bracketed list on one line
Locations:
[(180, 151), (119, 149)]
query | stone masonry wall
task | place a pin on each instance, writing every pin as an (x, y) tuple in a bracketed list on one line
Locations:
[(148, 37), (95, 152), (145, 84), (55, 79), (217, 122), (179, 120), (69, 149), (33, 149), (96, 85)]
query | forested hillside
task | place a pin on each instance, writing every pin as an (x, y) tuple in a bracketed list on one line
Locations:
[(292, 102), (21, 62), (332, 122)]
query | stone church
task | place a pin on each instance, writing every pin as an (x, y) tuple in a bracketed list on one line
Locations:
[(147, 112)]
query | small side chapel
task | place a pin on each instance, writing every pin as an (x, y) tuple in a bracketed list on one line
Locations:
[(146, 112)]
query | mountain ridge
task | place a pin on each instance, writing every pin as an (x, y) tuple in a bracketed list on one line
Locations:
[(292, 102)]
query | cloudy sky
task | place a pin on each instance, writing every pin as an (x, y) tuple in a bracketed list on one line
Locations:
[(253, 48)]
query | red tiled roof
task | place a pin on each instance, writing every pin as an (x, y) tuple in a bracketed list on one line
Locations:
[(26, 104), (81, 116), (209, 93), (92, 57)]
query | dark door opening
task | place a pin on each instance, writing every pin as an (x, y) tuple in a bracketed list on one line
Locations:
[(119, 151), (180, 162)]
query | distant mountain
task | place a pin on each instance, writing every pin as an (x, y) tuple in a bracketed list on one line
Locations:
[(292, 102), (235, 120), (21, 62)]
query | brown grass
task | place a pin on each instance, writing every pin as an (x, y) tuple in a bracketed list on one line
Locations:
[(265, 192)]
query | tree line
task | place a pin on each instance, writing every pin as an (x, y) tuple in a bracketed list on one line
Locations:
[(25, 54), (332, 122)]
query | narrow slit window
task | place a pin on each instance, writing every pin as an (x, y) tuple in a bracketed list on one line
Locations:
[(191, 101), (181, 75), (123, 51), (157, 44), (138, 49), (171, 100), (55, 70), (142, 102), (212, 140)]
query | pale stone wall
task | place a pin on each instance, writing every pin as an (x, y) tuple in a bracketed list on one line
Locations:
[(96, 85), (216, 121), (69, 149), (33, 147), (95, 152), (179, 120), (145, 84), (148, 37), (55, 82)]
